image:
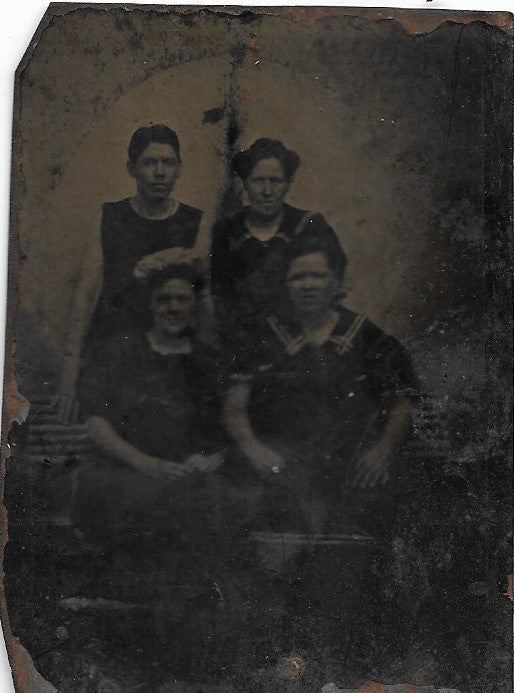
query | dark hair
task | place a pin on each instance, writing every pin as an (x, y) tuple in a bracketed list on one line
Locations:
[(148, 134), (264, 148), (306, 244), (189, 272)]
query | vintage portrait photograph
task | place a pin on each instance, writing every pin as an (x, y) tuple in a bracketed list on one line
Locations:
[(257, 411)]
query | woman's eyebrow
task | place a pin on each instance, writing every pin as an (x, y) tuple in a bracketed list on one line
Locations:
[(151, 159), (316, 273)]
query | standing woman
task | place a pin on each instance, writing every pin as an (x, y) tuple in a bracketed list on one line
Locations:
[(248, 248), (133, 232), (150, 221)]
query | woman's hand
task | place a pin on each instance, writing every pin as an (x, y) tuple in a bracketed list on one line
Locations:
[(372, 467), (108, 439), (204, 463), (158, 468), (65, 399), (263, 458), (235, 413)]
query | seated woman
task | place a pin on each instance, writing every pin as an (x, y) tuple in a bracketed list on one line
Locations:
[(151, 403), (133, 230), (321, 403), (248, 248)]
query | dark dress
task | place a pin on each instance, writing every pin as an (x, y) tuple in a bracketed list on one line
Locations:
[(166, 406), (246, 273), (321, 406), (163, 544), (127, 237)]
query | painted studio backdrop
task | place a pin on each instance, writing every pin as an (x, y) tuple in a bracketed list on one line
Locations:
[(403, 126)]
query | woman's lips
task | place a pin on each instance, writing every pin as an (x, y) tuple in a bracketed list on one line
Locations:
[(310, 298)]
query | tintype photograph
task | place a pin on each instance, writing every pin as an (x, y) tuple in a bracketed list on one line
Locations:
[(257, 411)]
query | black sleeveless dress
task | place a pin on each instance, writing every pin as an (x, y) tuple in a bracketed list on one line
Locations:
[(127, 237)]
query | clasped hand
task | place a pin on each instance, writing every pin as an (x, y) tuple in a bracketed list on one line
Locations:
[(372, 467), (159, 468), (264, 459)]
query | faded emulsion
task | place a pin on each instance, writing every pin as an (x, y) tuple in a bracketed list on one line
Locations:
[(258, 393)]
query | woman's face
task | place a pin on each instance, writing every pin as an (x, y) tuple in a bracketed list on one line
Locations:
[(156, 170), (172, 306), (310, 283), (266, 187)]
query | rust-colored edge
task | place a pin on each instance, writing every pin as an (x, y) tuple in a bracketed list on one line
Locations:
[(15, 407), (413, 21)]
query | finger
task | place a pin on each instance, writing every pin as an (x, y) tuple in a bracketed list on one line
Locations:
[(214, 462), (169, 474), (383, 477), (65, 409), (363, 481), (194, 462), (210, 469), (377, 477), (372, 480), (367, 478), (358, 476), (263, 468), (184, 471), (171, 470), (277, 468), (175, 467)]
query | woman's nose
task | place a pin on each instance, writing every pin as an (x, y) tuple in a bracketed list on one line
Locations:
[(169, 306), (308, 284)]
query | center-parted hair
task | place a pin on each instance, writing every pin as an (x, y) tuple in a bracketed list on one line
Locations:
[(244, 162), (144, 136), (306, 244), (189, 272), (145, 288)]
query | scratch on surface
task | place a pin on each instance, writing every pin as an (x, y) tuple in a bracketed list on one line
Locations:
[(218, 590), (80, 603), (375, 687), (509, 591)]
